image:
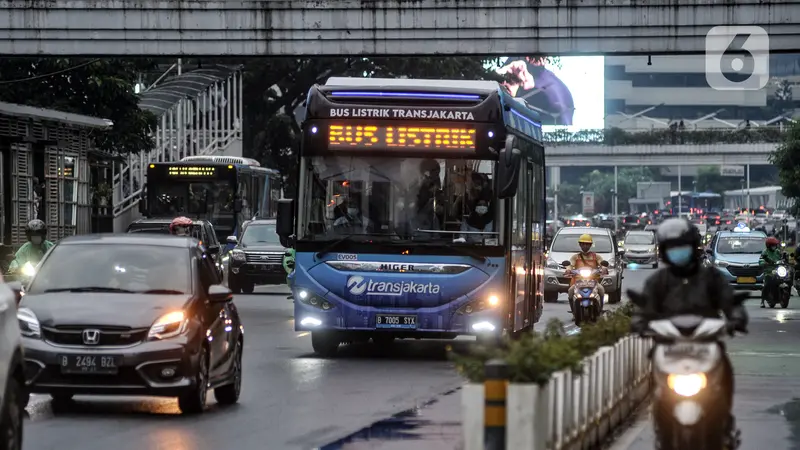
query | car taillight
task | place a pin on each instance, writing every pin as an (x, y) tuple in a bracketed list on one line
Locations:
[(728, 222), (717, 223)]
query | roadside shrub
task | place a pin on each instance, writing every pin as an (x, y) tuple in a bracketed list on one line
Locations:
[(534, 357)]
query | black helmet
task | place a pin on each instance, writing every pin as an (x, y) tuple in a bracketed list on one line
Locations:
[(677, 232), (36, 227)]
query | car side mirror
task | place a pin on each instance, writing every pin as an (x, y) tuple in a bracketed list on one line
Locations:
[(565, 263), (17, 288), (213, 250), (508, 168), (604, 263), (218, 293), (233, 240)]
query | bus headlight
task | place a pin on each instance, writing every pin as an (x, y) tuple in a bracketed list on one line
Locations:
[(314, 300), (687, 385), (490, 302)]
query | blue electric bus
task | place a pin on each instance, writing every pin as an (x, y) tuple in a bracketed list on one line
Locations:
[(420, 212), (225, 190)]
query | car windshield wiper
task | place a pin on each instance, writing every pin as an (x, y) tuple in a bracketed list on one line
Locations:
[(161, 291), (89, 289)]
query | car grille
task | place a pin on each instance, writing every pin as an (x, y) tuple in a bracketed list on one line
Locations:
[(744, 271), (270, 258), (109, 336)]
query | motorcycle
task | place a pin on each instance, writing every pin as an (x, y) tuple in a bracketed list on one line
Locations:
[(23, 276), (690, 410), (780, 287), (587, 304)]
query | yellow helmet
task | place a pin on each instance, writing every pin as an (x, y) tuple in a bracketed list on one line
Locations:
[(585, 239)]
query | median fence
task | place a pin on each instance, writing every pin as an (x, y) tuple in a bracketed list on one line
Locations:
[(573, 409)]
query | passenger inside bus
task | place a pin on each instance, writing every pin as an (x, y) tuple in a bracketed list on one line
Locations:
[(480, 219), (353, 220)]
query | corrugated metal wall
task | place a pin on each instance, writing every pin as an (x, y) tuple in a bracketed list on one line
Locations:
[(66, 192)]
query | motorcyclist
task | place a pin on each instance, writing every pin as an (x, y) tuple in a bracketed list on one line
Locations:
[(585, 258), (181, 226), (768, 261), (33, 250), (685, 286)]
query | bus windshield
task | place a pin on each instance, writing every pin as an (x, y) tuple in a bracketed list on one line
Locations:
[(382, 199), (211, 200)]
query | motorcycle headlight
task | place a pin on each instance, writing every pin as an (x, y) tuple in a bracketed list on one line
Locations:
[(687, 385), (781, 271), (28, 270), (169, 325), (28, 323), (585, 273)]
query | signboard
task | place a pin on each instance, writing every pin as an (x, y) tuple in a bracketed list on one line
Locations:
[(401, 113), (191, 171), (731, 171), (363, 137), (588, 203)]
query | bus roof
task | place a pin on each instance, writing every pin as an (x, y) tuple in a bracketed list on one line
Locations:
[(399, 84), (223, 160)]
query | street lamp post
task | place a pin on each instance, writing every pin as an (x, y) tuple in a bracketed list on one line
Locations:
[(614, 207), (742, 192)]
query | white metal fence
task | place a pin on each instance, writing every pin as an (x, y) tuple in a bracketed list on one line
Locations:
[(573, 411)]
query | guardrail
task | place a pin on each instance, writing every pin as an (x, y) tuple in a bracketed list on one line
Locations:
[(573, 410)]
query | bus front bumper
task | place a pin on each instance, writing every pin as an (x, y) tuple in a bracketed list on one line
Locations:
[(439, 322)]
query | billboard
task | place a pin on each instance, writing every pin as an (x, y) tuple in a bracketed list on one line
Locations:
[(568, 92)]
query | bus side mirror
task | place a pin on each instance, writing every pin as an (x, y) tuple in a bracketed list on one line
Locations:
[(237, 205), (285, 219), (508, 166)]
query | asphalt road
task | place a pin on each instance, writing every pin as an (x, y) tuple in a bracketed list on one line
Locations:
[(290, 398), (767, 367)]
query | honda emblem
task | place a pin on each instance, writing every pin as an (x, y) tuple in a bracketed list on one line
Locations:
[(91, 337)]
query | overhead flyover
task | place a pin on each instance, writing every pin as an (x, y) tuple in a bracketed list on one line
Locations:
[(659, 155), (374, 27)]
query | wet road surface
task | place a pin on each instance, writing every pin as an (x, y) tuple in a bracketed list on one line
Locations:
[(290, 398), (767, 399), (436, 424)]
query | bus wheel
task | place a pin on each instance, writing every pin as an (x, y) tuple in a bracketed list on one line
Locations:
[(248, 288), (324, 343)]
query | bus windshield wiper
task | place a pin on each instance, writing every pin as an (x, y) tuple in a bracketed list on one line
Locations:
[(457, 248), (330, 247)]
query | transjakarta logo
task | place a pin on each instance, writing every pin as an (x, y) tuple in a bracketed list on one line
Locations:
[(357, 285)]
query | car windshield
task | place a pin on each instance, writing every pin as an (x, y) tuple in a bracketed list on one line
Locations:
[(568, 243), (741, 244), (260, 233), (114, 267), (639, 239), (388, 200)]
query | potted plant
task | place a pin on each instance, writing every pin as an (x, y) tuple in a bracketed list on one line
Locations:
[(102, 194)]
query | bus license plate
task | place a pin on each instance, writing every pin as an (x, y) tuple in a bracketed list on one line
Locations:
[(395, 321), (746, 280)]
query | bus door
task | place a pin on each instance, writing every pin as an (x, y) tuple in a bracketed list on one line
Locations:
[(521, 244)]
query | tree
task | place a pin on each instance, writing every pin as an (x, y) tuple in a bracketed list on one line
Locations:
[(786, 158), (100, 88), (602, 184)]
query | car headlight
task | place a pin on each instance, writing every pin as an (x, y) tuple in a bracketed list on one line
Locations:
[(169, 325), (552, 264), (781, 271), (585, 273), (238, 255), (687, 385), (28, 323), (28, 270), (719, 263)]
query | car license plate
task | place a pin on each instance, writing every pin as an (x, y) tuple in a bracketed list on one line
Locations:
[(395, 321), (746, 280), (90, 364)]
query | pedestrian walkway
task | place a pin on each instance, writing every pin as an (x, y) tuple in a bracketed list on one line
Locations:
[(435, 425)]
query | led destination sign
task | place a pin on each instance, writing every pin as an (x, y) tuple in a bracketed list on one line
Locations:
[(191, 171), (406, 137)]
